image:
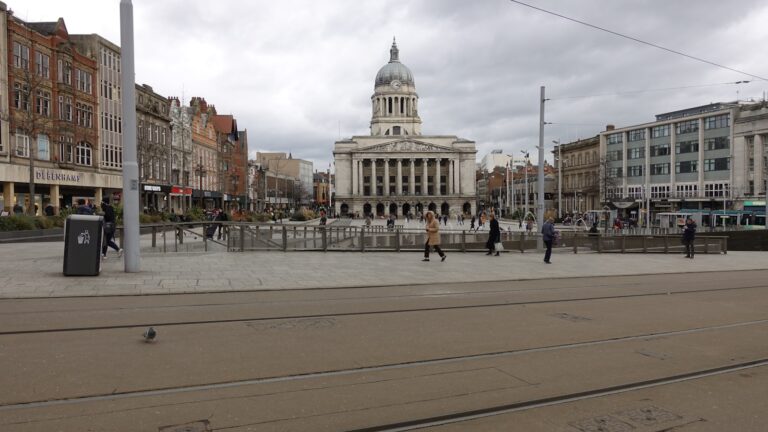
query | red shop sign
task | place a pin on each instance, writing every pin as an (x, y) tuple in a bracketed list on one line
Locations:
[(181, 190)]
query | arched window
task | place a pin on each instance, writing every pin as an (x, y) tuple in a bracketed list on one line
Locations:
[(83, 154), (402, 107), (387, 132), (389, 103)]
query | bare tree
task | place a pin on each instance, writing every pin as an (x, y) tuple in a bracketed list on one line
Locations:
[(608, 181), (32, 115)]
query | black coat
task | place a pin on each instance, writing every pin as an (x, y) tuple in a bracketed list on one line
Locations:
[(689, 232), (494, 236)]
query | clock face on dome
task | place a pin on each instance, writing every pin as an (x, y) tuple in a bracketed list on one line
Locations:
[(395, 84)]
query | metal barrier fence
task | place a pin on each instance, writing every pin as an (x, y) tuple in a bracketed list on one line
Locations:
[(243, 236)]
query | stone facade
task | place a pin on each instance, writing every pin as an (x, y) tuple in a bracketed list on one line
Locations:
[(578, 164), (153, 142), (396, 170)]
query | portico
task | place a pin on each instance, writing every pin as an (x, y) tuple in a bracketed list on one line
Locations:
[(397, 170)]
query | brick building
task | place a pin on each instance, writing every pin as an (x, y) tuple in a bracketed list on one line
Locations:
[(153, 145)]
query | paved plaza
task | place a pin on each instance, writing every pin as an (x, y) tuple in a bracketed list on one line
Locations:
[(35, 269)]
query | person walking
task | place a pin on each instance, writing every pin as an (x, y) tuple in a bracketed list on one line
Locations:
[(433, 237), (472, 223), (689, 234), (110, 226), (494, 235), (548, 234)]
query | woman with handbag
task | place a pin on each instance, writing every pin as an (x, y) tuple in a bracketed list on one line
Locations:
[(433, 237), (494, 236), (110, 224)]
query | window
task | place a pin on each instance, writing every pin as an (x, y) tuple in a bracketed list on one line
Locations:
[(83, 81), (637, 135), (65, 149), (715, 190), (719, 143), (43, 147), (660, 150), (635, 171), (83, 154), (686, 167), (659, 169), (635, 192), (660, 131), (615, 138), (22, 144), (65, 72), (636, 153), (659, 191), (21, 96), (65, 108), (717, 122), (615, 172), (84, 115), (718, 164), (43, 65), (687, 147), (687, 190), (20, 55), (689, 126), (43, 103), (396, 130)]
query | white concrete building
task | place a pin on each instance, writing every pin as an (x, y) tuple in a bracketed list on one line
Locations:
[(396, 170), (497, 158)]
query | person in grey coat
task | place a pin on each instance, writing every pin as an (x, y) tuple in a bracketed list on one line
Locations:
[(548, 234)]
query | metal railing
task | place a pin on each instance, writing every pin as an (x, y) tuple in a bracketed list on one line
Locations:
[(245, 236)]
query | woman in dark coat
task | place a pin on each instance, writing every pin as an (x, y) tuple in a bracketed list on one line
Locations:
[(689, 234), (494, 236)]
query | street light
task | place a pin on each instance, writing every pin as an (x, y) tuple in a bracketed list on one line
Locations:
[(200, 173), (559, 179), (525, 197)]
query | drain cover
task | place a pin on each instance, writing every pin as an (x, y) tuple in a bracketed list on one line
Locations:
[(649, 415)]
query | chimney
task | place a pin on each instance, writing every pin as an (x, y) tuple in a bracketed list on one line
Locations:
[(610, 127)]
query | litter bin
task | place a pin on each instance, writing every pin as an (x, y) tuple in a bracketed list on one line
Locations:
[(83, 236)]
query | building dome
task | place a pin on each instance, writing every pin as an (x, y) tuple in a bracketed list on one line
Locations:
[(394, 70)]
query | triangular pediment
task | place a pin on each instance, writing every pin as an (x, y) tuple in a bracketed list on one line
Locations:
[(405, 145)]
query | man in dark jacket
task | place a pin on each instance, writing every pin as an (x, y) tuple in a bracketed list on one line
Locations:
[(110, 226), (494, 236), (82, 208), (548, 234), (689, 234)]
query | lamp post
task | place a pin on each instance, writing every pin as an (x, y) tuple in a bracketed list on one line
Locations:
[(200, 173), (525, 193), (559, 179)]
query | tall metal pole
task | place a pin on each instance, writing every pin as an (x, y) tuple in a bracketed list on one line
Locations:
[(559, 180), (512, 180), (506, 183), (130, 167), (540, 203), (525, 203)]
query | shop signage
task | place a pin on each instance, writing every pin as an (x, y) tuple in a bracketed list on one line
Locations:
[(152, 188), (57, 176), (754, 203), (177, 190)]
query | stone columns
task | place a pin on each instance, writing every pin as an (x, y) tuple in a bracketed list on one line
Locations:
[(437, 176), (361, 177), (55, 198), (412, 179), (386, 177), (758, 154), (99, 194), (399, 179), (9, 194), (450, 177), (354, 177), (374, 181), (425, 177)]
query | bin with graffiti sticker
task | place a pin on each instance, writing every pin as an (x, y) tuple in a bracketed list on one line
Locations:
[(83, 235)]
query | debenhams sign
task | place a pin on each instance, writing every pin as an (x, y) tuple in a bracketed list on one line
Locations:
[(57, 176)]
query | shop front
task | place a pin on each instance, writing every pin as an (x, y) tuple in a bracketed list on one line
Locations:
[(181, 199), (207, 199), (155, 198), (60, 188)]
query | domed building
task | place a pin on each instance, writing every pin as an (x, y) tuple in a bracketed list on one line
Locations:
[(397, 170)]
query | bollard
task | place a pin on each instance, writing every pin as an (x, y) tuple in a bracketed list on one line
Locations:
[(325, 240), (464, 241), (623, 243), (205, 239), (242, 238), (666, 244), (180, 231), (165, 228), (285, 238), (397, 240), (175, 239), (154, 236), (599, 244), (724, 244), (645, 244), (706, 245), (362, 240), (522, 239), (575, 243)]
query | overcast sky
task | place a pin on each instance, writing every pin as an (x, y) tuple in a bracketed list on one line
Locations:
[(299, 73)]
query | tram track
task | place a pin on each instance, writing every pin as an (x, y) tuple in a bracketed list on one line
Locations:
[(172, 390), (665, 292), (460, 417)]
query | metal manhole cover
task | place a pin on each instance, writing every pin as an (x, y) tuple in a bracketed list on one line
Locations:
[(649, 415), (198, 426), (602, 424)]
